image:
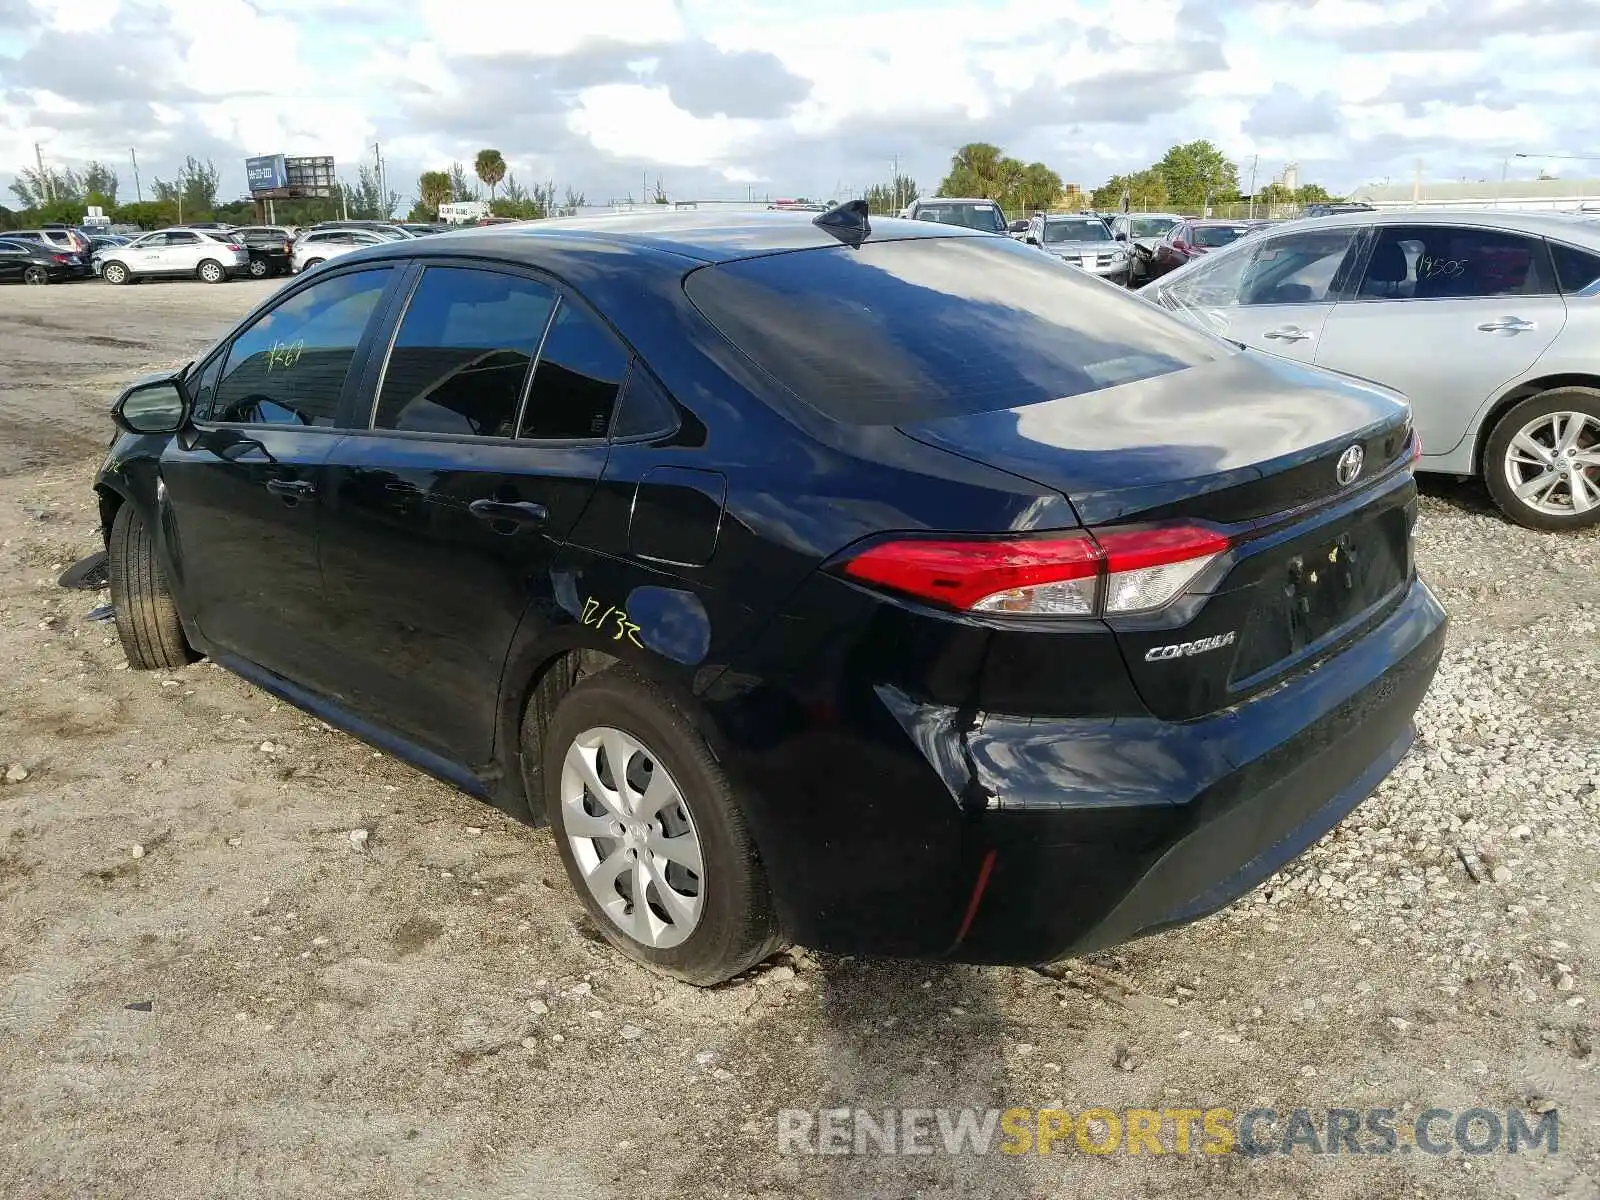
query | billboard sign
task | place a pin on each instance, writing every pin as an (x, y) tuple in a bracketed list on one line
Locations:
[(267, 173), (311, 176)]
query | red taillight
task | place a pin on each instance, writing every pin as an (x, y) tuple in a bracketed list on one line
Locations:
[(60, 258), (1109, 572), (1416, 447), (234, 246)]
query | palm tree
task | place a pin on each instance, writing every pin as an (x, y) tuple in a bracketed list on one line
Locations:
[(491, 168), (433, 187)]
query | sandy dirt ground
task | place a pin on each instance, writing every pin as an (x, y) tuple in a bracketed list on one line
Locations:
[(208, 989)]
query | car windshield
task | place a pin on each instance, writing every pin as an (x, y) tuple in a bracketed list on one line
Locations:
[(1149, 227), (969, 216), (1093, 230), (923, 328), (1212, 236)]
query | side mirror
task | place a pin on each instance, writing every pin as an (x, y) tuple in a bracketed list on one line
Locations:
[(1032, 241), (158, 407), (1121, 237)]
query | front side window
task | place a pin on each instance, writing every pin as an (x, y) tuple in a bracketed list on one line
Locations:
[(1297, 268), (289, 367), (461, 356), (575, 385), (1437, 262)]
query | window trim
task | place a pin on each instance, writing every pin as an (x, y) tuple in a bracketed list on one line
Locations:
[(362, 350), (1376, 230)]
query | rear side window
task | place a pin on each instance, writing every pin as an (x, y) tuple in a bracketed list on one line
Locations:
[(289, 367), (575, 385), (925, 328), (1443, 262), (1575, 269), (461, 357)]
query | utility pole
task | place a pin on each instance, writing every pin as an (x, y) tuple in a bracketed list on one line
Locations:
[(898, 203), (47, 186), (137, 190), (1254, 162)]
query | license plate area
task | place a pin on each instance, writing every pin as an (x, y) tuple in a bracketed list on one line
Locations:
[(1319, 589)]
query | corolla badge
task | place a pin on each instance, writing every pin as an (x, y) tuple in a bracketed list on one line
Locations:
[(1349, 465)]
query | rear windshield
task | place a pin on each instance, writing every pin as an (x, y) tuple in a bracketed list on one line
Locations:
[(1218, 235), (914, 330), (1092, 230), (969, 216)]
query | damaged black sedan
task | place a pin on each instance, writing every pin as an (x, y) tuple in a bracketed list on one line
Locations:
[(892, 588)]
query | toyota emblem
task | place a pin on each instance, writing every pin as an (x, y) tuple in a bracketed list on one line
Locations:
[(1350, 464)]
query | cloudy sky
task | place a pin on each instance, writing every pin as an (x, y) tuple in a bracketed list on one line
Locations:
[(792, 97)]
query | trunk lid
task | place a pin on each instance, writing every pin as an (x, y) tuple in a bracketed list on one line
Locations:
[(1251, 444)]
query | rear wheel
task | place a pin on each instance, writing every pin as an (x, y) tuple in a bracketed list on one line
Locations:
[(114, 272), (1542, 461), (651, 835), (211, 271), (36, 275), (147, 619), (259, 268)]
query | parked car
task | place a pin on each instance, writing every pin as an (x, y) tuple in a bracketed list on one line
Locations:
[(1336, 207), (383, 228), (57, 237), (23, 261), (422, 229), (969, 213), (317, 245), (207, 254), (271, 249), (1488, 321), (1192, 239), (1081, 241), (1142, 233), (705, 536)]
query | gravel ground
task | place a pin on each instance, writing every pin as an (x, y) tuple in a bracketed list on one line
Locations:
[(213, 983)]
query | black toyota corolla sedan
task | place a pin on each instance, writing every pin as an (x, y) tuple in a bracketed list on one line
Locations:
[(891, 587)]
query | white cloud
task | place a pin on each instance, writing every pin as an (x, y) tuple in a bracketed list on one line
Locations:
[(545, 29)]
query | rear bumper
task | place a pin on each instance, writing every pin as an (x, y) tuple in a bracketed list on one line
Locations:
[(998, 839)]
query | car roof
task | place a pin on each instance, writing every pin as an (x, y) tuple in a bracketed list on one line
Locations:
[(955, 200), (1542, 224), (696, 235), (1164, 215)]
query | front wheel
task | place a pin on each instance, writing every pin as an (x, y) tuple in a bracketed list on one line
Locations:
[(1542, 461), (114, 272), (212, 272), (649, 830), (147, 618), (37, 276)]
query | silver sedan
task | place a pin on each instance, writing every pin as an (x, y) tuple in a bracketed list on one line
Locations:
[(1488, 321)]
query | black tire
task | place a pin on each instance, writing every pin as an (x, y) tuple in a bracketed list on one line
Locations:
[(36, 275), (1562, 399), (115, 272), (737, 926), (211, 271), (147, 619), (259, 269)]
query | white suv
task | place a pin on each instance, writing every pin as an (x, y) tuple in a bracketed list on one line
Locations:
[(969, 212), (319, 245), (210, 255)]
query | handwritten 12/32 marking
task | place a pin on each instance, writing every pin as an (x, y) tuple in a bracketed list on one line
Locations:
[(625, 627)]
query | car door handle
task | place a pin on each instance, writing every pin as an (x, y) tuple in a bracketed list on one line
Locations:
[(523, 512), (1509, 325), (295, 489), (1288, 333)]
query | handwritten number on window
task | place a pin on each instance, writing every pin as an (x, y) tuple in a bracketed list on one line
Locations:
[(624, 627), (1429, 267), (285, 354)]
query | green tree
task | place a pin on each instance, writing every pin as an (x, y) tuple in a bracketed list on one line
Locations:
[(1313, 193), (433, 189), (8, 219), (193, 192), (490, 166), (889, 198), (99, 184), (364, 200), (1197, 173), (37, 188), (461, 188), (1145, 189), (148, 214), (979, 169), (1037, 188)]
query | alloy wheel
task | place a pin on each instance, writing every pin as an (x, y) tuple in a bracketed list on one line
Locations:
[(36, 275), (258, 269), (1553, 464), (211, 273), (633, 837)]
